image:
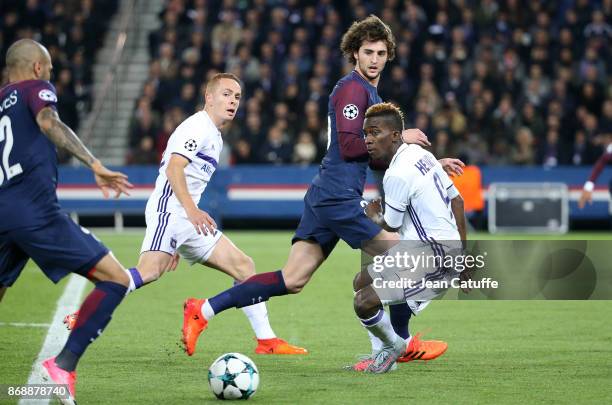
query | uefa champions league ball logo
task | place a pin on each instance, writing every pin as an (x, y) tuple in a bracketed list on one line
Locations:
[(191, 145), (350, 111)]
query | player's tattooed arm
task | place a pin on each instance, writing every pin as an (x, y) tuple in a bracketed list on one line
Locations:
[(62, 136)]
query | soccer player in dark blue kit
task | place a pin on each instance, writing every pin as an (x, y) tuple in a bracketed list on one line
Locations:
[(32, 224), (333, 204)]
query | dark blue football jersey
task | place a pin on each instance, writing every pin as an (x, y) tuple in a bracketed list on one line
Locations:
[(347, 105), (28, 159)]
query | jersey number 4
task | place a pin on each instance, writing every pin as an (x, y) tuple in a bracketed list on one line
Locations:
[(6, 136)]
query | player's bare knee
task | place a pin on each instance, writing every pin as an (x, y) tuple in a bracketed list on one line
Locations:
[(150, 274), (2, 291), (152, 267)]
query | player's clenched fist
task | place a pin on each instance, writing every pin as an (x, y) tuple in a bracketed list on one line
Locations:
[(202, 221)]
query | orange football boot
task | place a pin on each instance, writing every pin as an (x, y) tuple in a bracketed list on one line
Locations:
[(423, 349), (277, 346), (194, 323)]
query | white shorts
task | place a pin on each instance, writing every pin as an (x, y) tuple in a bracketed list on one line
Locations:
[(168, 232), (416, 283)]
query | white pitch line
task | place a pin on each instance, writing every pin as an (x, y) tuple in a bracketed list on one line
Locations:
[(57, 334), (25, 325)]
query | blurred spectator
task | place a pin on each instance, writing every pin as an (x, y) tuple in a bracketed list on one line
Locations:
[(275, 148), (161, 140), (523, 152), (550, 153), (242, 153), (144, 123), (505, 118), (73, 32), (441, 144), (531, 119), (144, 154), (305, 150)]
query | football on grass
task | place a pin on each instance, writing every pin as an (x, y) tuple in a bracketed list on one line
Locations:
[(233, 376)]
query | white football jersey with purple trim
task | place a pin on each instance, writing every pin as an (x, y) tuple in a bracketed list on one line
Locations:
[(417, 196), (198, 140)]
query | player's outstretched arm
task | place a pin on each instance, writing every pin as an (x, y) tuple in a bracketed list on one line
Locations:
[(63, 137), (589, 186), (585, 197), (175, 172), (459, 213)]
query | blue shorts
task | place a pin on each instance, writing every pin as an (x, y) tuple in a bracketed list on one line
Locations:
[(59, 248), (327, 219)]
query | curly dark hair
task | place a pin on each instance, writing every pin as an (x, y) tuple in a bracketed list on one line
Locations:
[(388, 110), (369, 29)]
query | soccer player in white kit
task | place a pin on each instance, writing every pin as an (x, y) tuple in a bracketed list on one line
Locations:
[(421, 203), (175, 224)]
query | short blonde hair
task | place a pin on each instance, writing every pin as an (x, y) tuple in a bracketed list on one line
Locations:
[(214, 81), (387, 110)]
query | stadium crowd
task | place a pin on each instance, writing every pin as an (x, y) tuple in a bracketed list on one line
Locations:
[(492, 81), (495, 82), (72, 31)]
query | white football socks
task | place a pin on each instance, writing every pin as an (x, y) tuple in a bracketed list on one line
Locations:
[(258, 317), (207, 311), (377, 344), (380, 326)]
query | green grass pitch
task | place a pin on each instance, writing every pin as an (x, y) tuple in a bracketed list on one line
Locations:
[(499, 351)]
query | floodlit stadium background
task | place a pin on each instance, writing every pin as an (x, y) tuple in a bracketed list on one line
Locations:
[(519, 89)]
